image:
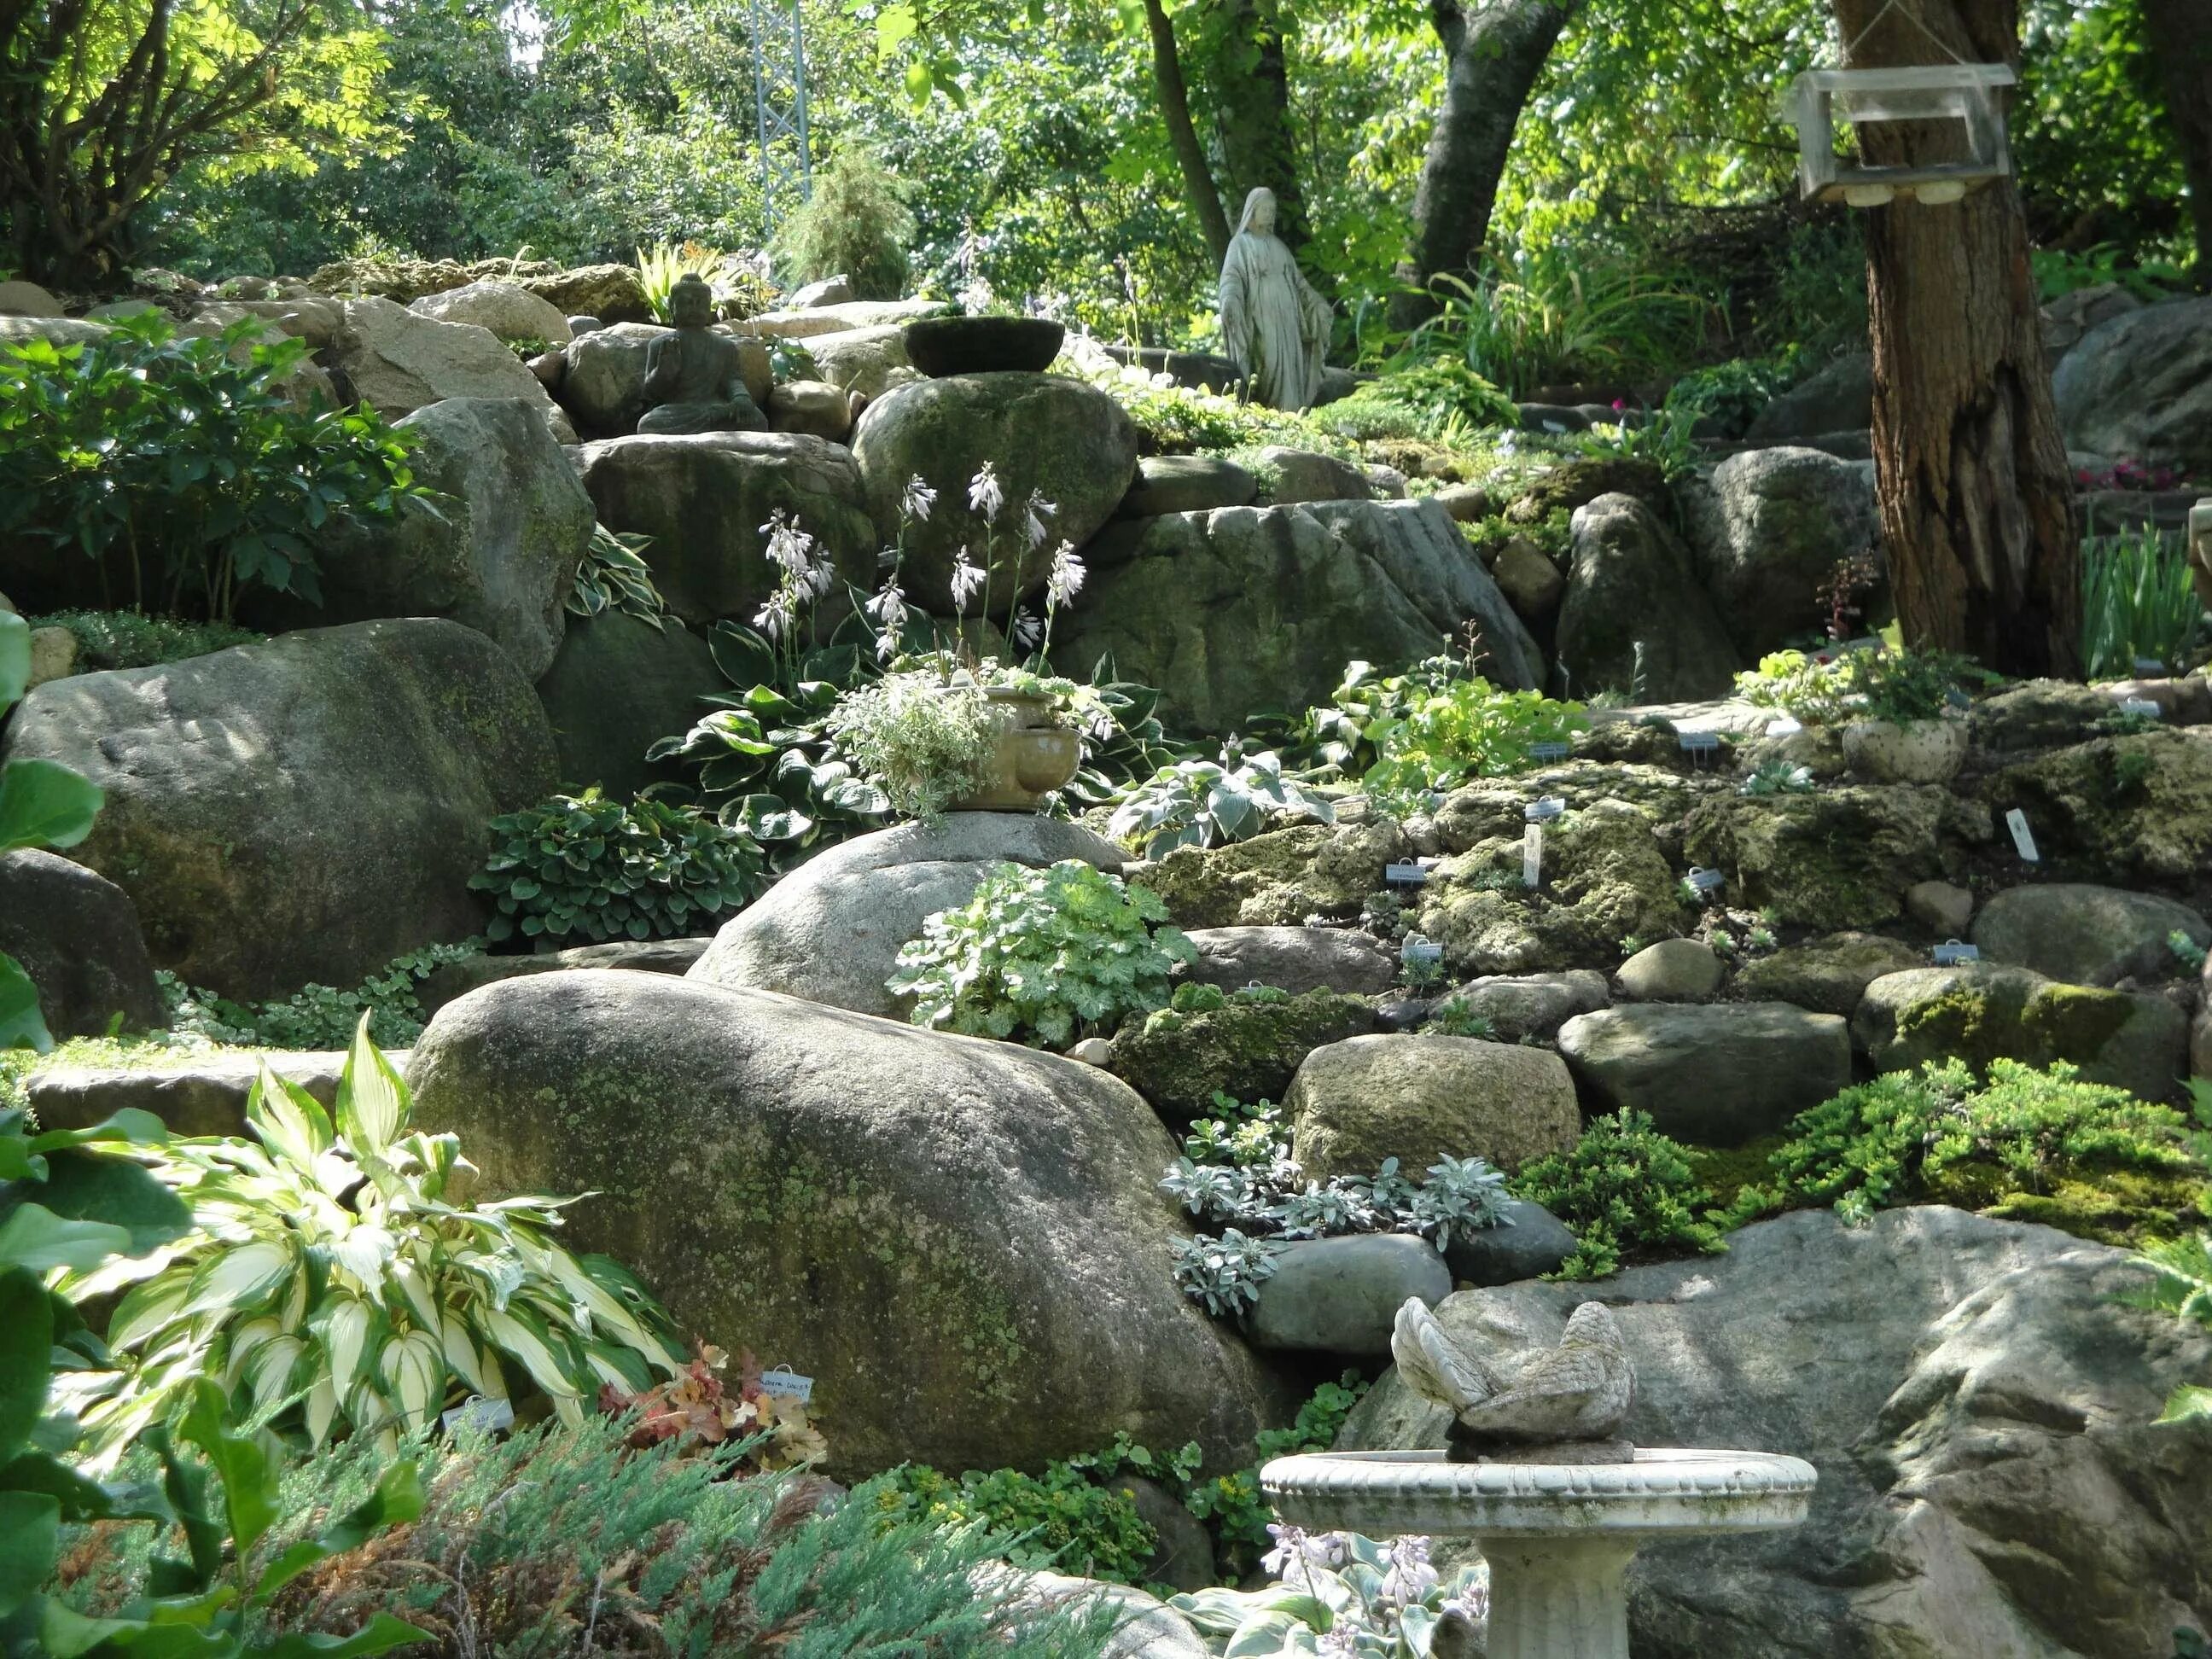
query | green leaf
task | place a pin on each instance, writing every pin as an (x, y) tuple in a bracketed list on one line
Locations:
[(45, 804), (15, 659), (372, 1098), (30, 1533), (397, 1499), (27, 1340), (22, 1026), (380, 1635), (244, 1463), (35, 1237), (91, 1186)]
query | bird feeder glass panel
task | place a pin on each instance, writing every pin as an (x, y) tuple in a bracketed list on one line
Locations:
[(1960, 95)]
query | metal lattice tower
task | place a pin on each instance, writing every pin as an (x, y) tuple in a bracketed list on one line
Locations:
[(780, 105)]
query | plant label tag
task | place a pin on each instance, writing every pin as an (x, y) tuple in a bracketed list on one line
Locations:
[(491, 1416), (1699, 743), (1706, 881), (1532, 856), (1544, 809), (1951, 953), (2149, 668), (1548, 751), (1956, 698), (1407, 873), (784, 1383), (2142, 706), (2023, 837), (1419, 952)]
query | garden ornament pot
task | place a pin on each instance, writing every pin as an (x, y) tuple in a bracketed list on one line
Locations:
[(940, 346), (1031, 755), (1918, 751)]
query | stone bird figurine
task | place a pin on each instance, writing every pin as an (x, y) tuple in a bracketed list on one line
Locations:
[(1559, 1404)]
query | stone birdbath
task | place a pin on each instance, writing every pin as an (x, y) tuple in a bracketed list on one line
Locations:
[(1536, 1473), (1557, 1536)]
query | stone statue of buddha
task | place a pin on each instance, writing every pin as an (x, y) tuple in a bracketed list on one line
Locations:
[(694, 382)]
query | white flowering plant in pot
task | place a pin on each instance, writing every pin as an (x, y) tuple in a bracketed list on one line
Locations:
[(1337, 1593)]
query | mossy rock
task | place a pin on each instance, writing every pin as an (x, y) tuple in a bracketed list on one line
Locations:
[(1606, 876), (1980, 1013), (1278, 879), (1829, 975), (1495, 807), (2110, 1205), (1247, 1049), (1579, 483), (1837, 858), (2137, 807)]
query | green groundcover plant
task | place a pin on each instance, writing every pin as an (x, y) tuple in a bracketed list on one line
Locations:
[(314, 1016)]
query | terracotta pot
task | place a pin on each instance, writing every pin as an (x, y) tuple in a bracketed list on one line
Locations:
[(1918, 751), (1031, 756)]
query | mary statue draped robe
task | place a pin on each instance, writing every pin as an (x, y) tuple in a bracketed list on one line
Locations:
[(1274, 325)]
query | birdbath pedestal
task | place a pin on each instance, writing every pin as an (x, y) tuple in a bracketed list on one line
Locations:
[(1557, 1536)]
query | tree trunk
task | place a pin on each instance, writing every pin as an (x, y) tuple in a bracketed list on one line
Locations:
[(1977, 504), (1252, 94), (1182, 136), (1493, 55), (2179, 32)]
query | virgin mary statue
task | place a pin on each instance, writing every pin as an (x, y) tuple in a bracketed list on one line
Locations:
[(1275, 327)]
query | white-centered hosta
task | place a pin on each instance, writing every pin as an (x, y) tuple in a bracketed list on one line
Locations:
[(328, 1272)]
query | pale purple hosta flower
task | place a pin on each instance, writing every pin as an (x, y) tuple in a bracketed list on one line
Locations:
[(1410, 1580), (788, 545), (1029, 629), (967, 580), (917, 499), (1035, 511), (889, 608), (1290, 1546), (986, 494), (776, 617), (1065, 580)]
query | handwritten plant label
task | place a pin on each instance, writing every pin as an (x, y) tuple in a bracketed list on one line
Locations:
[(1706, 881), (784, 1383), (1548, 751), (1419, 952), (1951, 953), (1532, 856), (1543, 809), (1408, 873), (2023, 837), (1699, 743)]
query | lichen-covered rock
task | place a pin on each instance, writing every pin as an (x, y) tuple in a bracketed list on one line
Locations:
[(964, 1242), (612, 293), (1837, 859), (454, 979), (76, 934), (616, 687), (1982, 1011), (1342, 1295), (2088, 935), (508, 309), (2037, 715), (1828, 976), (304, 808), (1496, 808), (2140, 385), (1970, 1390), (1715, 1074), (1605, 878), (1634, 619), (1047, 434), (1186, 483), (1767, 529), (869, 360), (1673, 970), (831, 929), (1293, 959), (396, 361), (1248, 1049), (1520, 1007), (2121, 806), (193, 1091), (1249, 607), (1279, 878), (1528, 1242), (1355, 1104), (702, 500), (1837, 399)]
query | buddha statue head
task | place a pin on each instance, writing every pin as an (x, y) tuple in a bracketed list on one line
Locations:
[(691, 301)]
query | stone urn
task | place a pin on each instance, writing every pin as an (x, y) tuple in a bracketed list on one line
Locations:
[(940, 346), (1031, 754), (1915, 751)]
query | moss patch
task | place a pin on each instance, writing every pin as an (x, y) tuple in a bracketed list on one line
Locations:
[(1249, 1050)]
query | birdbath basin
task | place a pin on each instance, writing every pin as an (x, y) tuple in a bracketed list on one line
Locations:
[(1559, 1537)]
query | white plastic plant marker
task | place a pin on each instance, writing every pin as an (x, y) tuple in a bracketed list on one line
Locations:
[(1531, 857), (2142, 706), (1787, 727), (2023, 837), (1544, 809)]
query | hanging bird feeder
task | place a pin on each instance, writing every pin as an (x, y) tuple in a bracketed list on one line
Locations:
[(1964, 94)]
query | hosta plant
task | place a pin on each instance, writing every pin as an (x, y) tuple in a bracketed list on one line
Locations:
[(1044, 956), (1202, 803), (614, 576), (327, 1267), (1341, 1594), (924, 738), (586, 865)]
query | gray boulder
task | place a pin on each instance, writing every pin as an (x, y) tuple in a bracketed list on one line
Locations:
[(1306, 475), (1532, 584), (1983, 1012), (829, 291), (1342, 1295), (305, 808), (962, 1241), (1049, 433), (2140, 385), (815, 407), (830, 931), (1357, 1102), (1634, 619), (618, 686), (1839, 399), (1767, 529), (498, 552), (1534, 1005), (1528, 1243), (868, 361), (1715, 1074), (646, 956), (1673, 970), (1971, 1392), (76, 934), (1186, 483), (703, 499), (1828, 976), (603, 385), (612, 293), (195, 1094), (2070, 316), (2087, 935), (20, 299), (1293, 959), (1248, 608), (510, 311), (396, 361)]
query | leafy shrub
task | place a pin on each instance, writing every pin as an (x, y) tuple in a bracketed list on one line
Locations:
[(1431, 399), (42, 804), (1624, 1190), (2138, 602), (1544, 319), (130, 639), (926, 742), (328, 1265), (1457, 1016), (1178, 420), (1060, 1522), (697, 1408), (1665, 436), (2183, 1287), (586, 865), (1201, 803), (1371, 1600), (1045, 955), (316, 1017), (614, 576), (856, 222), (184, 463), (1231, 1505), (1879, 684), (1732, 394), (738, 290), (1466, 729)]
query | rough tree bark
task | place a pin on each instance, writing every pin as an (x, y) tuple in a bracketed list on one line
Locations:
[(1252, 99), (1977, 506), (1182, 136), (1493, 54), (2180, 38)]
